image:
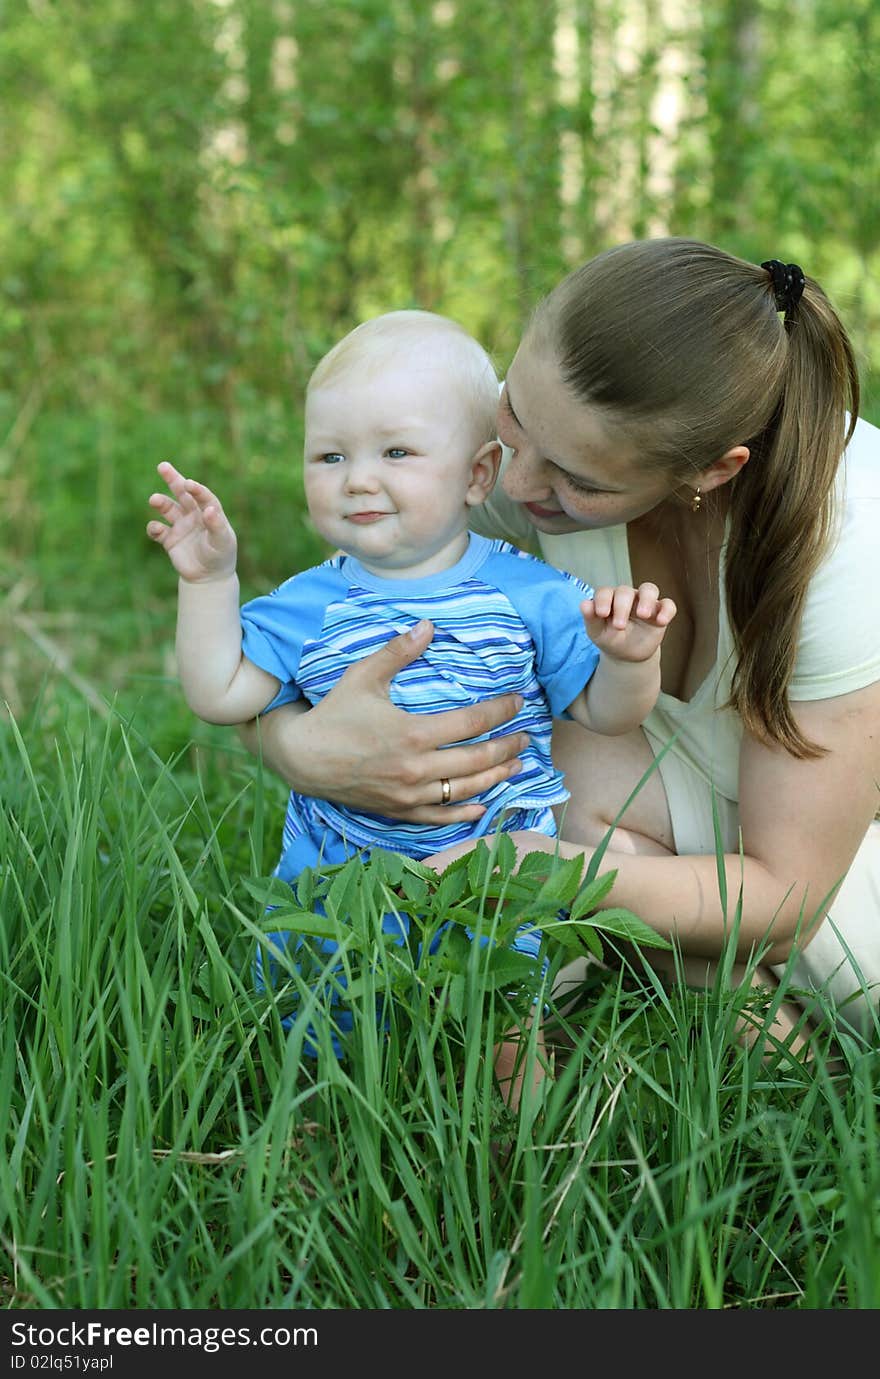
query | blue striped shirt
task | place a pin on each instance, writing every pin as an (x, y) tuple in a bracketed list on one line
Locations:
[(505, 622)]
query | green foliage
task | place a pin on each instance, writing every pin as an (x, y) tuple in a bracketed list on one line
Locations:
[(168, 1144), (485, 895), (200, 198), (204, 196)]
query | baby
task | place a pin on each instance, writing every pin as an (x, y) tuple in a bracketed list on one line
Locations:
[(400, 446)]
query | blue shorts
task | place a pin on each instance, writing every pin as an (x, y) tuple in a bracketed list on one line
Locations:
[(315, 846)]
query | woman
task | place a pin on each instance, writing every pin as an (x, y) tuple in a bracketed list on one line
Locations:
[(680, 416)]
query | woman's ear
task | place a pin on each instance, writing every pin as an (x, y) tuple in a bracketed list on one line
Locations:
[(722, 470), (484, 471)]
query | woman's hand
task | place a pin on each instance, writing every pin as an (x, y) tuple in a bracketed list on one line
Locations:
[(195, 534), (356, 748)]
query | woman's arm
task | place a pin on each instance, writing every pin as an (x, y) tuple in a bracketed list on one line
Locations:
[(802, 823), (356, 748)]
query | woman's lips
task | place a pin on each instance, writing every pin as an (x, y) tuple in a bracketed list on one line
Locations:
[(538, 511)]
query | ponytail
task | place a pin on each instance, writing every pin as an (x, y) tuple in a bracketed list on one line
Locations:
[(782, 516)]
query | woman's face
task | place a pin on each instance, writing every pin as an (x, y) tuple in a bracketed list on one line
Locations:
[(566, 469)]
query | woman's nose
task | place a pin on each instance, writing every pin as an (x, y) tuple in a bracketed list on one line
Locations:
[(525, 478)]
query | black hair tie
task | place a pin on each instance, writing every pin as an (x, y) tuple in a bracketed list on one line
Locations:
[(788, 284)]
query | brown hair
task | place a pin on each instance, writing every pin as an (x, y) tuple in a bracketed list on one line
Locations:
[(682, 346)]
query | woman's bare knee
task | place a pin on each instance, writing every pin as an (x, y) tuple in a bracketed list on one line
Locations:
[(592, 830), (601, 773)]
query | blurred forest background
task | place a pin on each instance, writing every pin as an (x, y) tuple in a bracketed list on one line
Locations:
[(199, 196)]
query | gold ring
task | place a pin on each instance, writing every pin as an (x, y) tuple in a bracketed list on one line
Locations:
[(445, 791)]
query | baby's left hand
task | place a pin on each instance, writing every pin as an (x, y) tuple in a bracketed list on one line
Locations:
[(628, 624)]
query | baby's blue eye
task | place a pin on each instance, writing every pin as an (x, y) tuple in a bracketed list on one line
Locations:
[(396, 452), (332, 457)]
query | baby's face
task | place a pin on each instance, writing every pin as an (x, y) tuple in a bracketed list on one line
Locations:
[(389, 463)]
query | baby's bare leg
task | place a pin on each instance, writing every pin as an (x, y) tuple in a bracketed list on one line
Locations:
[(511, 1062)]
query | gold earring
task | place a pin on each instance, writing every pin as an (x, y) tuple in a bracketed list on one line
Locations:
[(696, 500)]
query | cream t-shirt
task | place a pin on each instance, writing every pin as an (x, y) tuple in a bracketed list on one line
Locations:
[(839, 647)]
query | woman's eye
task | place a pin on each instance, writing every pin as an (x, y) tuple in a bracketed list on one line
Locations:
[(572, 482), (332, 457)]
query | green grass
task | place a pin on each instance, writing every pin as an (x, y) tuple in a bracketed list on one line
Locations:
[(169, 1145)]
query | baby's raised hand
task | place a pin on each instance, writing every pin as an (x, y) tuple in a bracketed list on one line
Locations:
[(628, 624), (195, 533)]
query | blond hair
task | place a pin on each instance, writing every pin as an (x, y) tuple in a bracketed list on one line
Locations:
[(681, 346), (395, 336)]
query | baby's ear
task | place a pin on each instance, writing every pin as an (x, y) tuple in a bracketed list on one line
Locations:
[(484, 472)]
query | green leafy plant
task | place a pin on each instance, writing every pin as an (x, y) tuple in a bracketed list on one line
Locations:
[(397, 913), (170, 1143)]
